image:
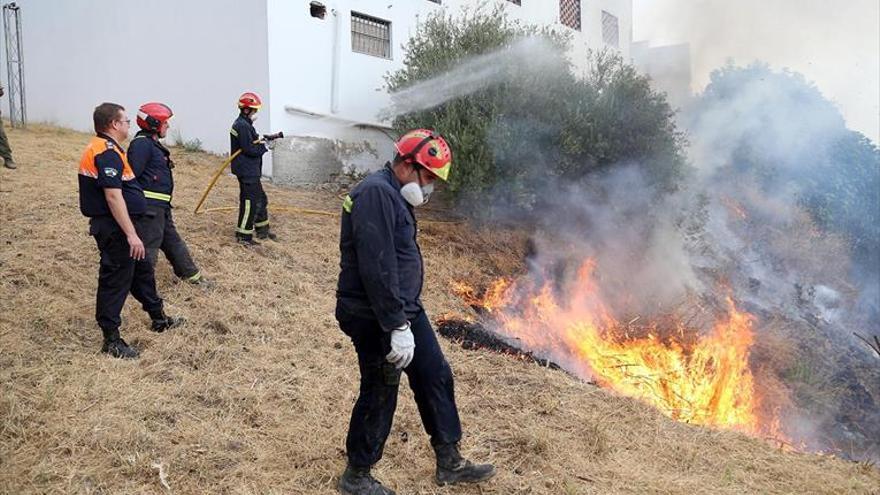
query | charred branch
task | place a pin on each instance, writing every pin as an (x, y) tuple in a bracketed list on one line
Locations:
[(471, 336)]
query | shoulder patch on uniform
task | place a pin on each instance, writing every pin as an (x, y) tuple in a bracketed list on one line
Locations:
[(233, 132), (111, 172), (110, 145)]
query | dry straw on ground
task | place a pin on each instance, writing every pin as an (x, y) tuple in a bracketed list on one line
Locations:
[(253, 395)]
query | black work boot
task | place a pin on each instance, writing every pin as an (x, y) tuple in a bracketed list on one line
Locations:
[(201, 280), (453, 468), (266, 234), (358, 481), (246, 240), (118, 348), (162, 322)]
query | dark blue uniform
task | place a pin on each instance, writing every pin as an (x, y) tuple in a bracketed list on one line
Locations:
[(248, 167), (104, 166), (151, 162), (381, 265), (380, 285)]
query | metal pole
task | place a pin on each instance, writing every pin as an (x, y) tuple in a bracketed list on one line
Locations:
[(20, 53), (14, 64), (8, 63)]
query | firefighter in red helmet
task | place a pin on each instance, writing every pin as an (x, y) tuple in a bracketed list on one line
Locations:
[(253, 217), (379, 307), (151, 162)]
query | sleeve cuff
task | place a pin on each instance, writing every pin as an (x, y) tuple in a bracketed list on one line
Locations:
[(393, 323)]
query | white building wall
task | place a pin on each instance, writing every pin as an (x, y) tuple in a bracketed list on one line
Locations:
[(197, 56), (302, 53)]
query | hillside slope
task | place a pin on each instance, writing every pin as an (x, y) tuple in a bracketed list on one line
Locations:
[(253, 395)]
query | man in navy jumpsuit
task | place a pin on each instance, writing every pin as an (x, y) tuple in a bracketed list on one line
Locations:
[(379, 307), (151, 162), (114, 202)]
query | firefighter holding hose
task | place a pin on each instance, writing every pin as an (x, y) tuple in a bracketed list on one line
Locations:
[(248, 148)]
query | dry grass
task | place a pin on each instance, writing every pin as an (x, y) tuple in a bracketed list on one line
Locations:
[(253, 395)]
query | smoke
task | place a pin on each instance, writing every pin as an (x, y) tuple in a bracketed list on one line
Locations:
[(618, 220), (531, 55), (786, 132), (767, 144), (758, 144), (771, 142), (832, 43), (763, 143)]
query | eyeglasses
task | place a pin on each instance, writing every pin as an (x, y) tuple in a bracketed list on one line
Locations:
[(127, 121)]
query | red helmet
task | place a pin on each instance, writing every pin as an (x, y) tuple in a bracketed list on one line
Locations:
[(150, 116), (249, 100), (428, 149)]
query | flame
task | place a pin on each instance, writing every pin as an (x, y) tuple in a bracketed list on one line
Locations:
[(734, 207), (694, 377)]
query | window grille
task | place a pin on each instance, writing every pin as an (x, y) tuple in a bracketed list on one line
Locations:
[(570, 13), (370, 35), (610, 30)]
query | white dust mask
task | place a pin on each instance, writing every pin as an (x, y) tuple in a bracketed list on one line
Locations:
[(413, 194)]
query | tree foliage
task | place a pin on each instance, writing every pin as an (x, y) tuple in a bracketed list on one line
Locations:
[(540, 122)]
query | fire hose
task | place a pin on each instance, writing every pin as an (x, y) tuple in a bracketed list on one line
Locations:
[(214, 180), (266, 137)]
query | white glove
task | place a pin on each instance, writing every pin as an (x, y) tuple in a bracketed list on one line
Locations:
[(403, 347)]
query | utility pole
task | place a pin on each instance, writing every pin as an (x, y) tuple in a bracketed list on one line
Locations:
[(14, 64)]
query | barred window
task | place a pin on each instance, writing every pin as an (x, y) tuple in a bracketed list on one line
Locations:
[(610, 31), (370, 35), (570, 13)]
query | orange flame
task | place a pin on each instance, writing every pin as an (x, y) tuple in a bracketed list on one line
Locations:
[(734, 207), (706, 380)]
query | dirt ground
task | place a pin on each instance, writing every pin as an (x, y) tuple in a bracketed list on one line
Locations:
[(253, 395)]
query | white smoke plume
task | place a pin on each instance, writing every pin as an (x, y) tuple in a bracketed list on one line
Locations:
[(836, 44), (751, 232)]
